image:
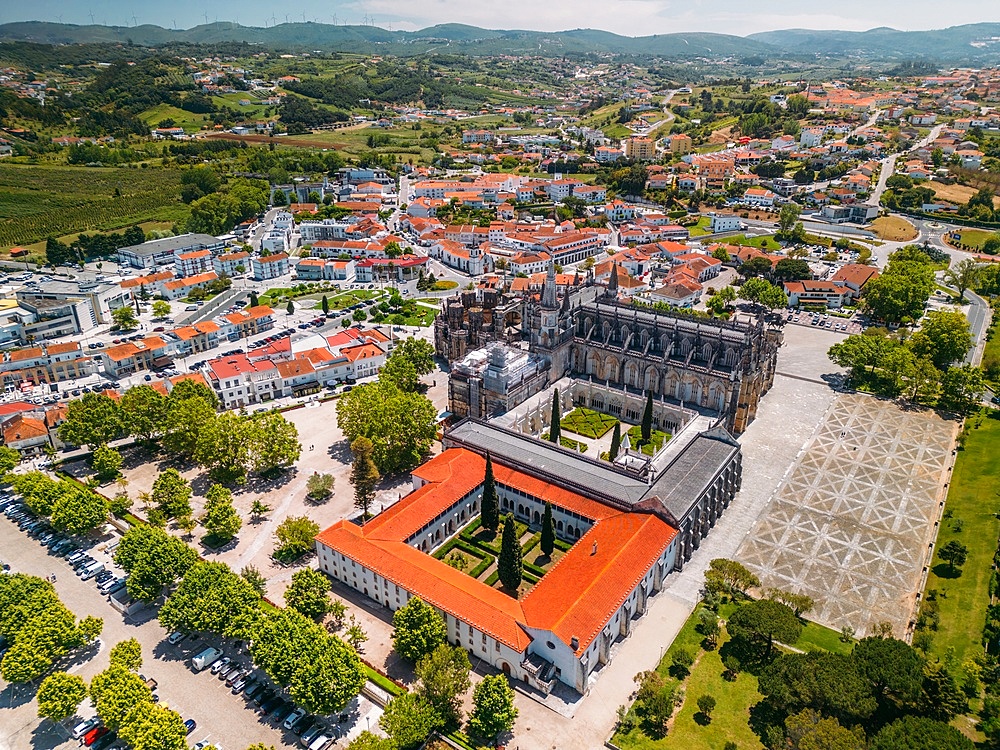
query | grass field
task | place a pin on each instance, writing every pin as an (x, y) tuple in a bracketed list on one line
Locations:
[(730, 719), (764, 242), (182, 118), (894, 229), (702, 228), (38, 201), (587, 422), (975, 238), (656, 440), (972, 498), (958, 193)]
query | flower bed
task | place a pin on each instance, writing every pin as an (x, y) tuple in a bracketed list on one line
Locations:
[(587, 422)]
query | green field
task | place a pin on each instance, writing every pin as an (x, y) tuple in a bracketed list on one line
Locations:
[(656, 440), (587, 422), (764, 242), (701, 228), (38, 201), (182, 118), (975, 238), (972, 499)]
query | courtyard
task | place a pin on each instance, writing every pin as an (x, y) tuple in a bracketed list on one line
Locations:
[(853, 522)]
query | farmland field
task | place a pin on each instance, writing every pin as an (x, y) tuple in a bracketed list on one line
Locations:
[(37, 201), (958, 193)]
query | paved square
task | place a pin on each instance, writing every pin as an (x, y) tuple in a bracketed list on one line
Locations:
[(852, 524)]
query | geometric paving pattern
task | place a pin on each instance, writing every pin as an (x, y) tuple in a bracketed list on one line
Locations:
[(853, 522)]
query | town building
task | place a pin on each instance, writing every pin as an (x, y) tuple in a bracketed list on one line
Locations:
[(163, 252)]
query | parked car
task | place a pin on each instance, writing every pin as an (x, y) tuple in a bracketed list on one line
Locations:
[(281, 712), (206, 658), (228, 670), (235, 675), (303, 724), (176, 637), (84, 726), (191, 724), (221, 664), (271, 703), (254, 689), (93, 735), (293, 717)]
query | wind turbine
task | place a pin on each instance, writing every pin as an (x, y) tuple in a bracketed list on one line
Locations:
[(286, 18), (206, 17), (91, 14), (274, 21), (303, 16), (135, 21), (334, 19), (60, 18)]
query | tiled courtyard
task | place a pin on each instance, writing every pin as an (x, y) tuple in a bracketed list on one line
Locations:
[(853, 521)]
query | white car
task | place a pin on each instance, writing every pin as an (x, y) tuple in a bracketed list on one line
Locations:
[(84, 726), (293, 717), (176, 637)]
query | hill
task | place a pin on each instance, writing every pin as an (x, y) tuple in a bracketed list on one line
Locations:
[(977, 42)]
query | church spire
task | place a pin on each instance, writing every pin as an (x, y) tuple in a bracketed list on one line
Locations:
[(550, 300), (612, 290)]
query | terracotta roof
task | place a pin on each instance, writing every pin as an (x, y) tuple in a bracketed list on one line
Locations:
[(19, 355), (295, 368), (71, 346), (856, 273), (574, 600), (148, 279), (23, 428)]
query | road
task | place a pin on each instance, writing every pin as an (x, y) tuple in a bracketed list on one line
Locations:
[(889, 166)]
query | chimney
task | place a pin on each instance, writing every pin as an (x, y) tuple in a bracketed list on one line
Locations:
[(574, 643), (593, 550)]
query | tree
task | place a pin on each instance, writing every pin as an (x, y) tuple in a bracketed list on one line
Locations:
[(548, 540), (309, 593), (962, 388), (893, 668), (809, 730), (964, 275), (417, 630), (944, 337), (124, 318), (255, 578), (920, 733), (409, 720), (78, 510), (417, 351), (721, 254), (289, 308), (954, 553), (754, 267), (115, 693), (798, 603), (763, 293), (828, 683), (186, 419), (144, 410), (616, 442), (221, 519), (319, 486), (401, 425), (210, 598), (161, 308), (9, 459), (555, 427), (729, 577), (900, 293), (325, 305), (646, 425), (493, 711), (295, 536), (760, 623), (706, 704), (364, 474), (153, 559), (941, 697), (509, 563), (400, 372), (172, 494), (107, 462), (655, 700), (127, 655), (154, 727), (787, 216), (792, 269), (489, 509), (94, 419), (59, 695), (444, 679), (368, 741), (259, 509)]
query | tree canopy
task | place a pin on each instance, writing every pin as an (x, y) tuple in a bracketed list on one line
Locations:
[(153, 559), (417, 630)]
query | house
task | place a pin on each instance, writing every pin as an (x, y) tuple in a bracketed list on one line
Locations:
[(269, 266), (679, 144), (231, 264), (248, 322), (240, 382), (180, 288), (730, 223), (759, 197), (193, 263), (164, 251), (808, 292), (151, 284), (132, 356), (25, 433), (853, 277), (607, 154)]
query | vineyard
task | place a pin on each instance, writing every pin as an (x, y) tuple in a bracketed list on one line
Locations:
[(37, 201)]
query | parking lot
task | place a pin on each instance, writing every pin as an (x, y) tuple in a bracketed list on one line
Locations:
[(231, 720)]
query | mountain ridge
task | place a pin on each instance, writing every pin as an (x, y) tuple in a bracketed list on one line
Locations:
[(970, 42)]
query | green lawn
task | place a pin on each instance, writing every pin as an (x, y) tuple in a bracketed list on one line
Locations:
[(764, 242), (656, 440), (972, 498), (568, 442), (191, 122), (975, 238), (817, 637), (701, 228), (587, 422)]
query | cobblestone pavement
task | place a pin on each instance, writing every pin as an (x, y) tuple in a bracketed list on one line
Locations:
[(853, 524)]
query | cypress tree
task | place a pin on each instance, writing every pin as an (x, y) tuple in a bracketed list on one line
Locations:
[(509, 564), (290, 307), (554, 426), (325, 305), (647, 418), (548, 542), (489, 509), (616, 442), (254, 302)]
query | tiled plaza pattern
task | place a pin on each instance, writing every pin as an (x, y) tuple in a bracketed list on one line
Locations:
[(852, 524)]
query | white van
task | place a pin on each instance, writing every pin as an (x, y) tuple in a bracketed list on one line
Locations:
[(206, 658), (91, 570)]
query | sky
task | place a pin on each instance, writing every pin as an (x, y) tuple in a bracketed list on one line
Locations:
[(627, 17)]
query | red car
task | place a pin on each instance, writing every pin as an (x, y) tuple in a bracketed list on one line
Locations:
[(94, 735)]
